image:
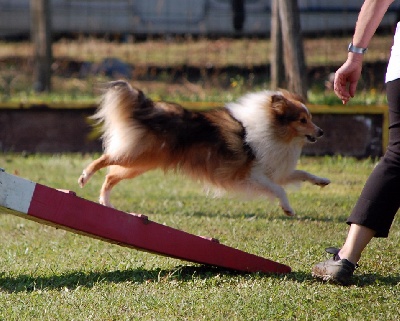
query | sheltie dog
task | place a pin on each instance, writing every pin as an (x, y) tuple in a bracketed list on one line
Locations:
[(250, 146)]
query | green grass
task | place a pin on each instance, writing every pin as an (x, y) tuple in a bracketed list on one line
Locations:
[(51, 274), (178, 53), (68, 93)]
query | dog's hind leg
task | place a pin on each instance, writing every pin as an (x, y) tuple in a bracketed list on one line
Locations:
[(115, 175), (103, 161)]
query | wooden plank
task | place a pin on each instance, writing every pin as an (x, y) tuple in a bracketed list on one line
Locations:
[(65, 210)]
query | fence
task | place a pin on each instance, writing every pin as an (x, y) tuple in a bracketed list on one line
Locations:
[(200, 17), (184, 49)]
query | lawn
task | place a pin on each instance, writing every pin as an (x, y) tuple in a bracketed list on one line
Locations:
[(184, 69), (51, 274)]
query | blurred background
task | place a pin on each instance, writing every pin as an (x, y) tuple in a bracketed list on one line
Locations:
[(55, 56), (190, 50)]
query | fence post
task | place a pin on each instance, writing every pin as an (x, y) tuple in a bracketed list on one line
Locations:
[(293, 52), (276, 61), (41, 37)]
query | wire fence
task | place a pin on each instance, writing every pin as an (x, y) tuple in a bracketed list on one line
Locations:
[(189, 49)]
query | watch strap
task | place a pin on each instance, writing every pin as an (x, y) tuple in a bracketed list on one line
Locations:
[(355, 49)]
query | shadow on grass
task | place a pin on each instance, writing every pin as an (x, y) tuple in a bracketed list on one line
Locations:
[(376, 279), (249, 216), (73, 280), (360, 280)]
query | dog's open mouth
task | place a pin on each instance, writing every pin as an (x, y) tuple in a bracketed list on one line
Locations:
[(311, 139)]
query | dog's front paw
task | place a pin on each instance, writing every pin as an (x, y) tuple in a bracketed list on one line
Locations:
[(83, 179), (322, 182), (288, 211)]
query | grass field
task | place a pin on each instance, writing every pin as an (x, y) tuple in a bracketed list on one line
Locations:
[(51, 274)]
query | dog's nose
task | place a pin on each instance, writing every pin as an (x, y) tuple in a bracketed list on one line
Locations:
[(320, 132)]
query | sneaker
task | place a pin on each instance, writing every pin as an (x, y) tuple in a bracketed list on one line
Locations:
[(335, 270)]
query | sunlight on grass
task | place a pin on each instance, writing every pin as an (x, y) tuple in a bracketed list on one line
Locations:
[(51, 274), (163, 68)]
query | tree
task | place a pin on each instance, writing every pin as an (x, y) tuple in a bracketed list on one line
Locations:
[(287, 42), (41, 38)]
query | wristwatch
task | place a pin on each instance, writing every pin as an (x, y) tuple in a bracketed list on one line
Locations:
[(355, 49)]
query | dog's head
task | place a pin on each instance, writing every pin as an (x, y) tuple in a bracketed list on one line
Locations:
[(291, 118)]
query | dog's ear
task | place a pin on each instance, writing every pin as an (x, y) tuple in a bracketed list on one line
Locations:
[(278, 104), (293, 96)]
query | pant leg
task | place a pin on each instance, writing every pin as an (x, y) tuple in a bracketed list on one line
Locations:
[(380, 197)]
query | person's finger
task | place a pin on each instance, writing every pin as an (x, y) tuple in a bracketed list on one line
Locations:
[(352, 88), (340, 86)]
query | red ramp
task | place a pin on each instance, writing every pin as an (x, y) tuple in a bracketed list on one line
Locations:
[(65, 210)]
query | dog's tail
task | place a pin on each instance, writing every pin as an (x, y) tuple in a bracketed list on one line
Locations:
[(117, 103), (115, 113)]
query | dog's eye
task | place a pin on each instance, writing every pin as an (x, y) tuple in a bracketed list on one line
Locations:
[(303, 120)]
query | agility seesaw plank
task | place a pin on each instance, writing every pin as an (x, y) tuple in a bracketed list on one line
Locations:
[(65, 210)]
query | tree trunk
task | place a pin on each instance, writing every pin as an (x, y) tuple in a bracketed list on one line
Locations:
[(277, 67), (41, 37), (293, 52)]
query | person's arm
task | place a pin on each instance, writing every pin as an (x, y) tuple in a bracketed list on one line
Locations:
[(369, 18)]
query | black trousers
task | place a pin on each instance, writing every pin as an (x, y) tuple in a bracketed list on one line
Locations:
[(380, 197)]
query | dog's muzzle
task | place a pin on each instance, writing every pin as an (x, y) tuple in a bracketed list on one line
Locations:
[(312, 139)]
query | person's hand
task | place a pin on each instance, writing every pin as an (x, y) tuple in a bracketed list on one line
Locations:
[(346, 78)]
